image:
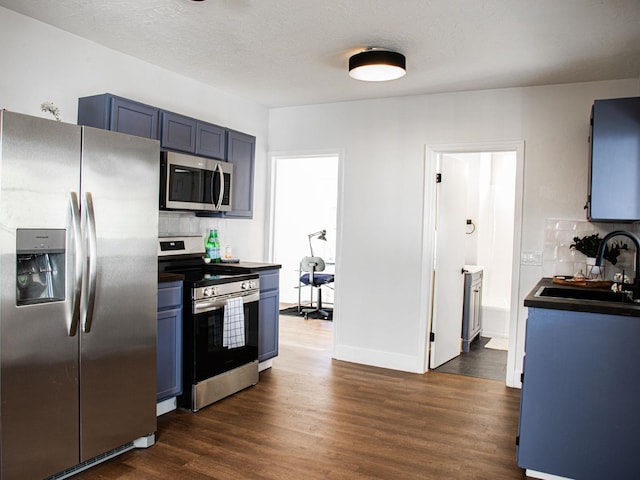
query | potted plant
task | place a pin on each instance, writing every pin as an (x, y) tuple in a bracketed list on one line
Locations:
[(589, 245)]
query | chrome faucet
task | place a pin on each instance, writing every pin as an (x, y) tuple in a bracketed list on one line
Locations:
[(636, 241)]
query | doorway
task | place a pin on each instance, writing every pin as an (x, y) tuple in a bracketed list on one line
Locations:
[(477, 217), (304, 202)]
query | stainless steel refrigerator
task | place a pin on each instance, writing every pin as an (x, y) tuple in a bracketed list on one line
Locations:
[(78, 273)]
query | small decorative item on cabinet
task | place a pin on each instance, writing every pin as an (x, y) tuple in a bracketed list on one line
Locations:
[(49, 107)]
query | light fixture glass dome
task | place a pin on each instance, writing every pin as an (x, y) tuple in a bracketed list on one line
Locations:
[(375, 65)]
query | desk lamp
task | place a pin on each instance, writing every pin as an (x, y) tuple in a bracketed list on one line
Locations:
[(321, 236)]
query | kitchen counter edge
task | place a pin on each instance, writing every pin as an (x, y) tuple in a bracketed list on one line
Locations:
[(242, 267), (164, 277), (591, 306)]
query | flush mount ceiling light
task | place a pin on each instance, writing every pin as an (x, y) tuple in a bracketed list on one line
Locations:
[(377, 65)]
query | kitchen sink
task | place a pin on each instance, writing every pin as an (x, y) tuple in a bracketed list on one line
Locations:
[(584, 294)]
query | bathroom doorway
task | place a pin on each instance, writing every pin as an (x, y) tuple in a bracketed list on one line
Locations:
[(478, 217)]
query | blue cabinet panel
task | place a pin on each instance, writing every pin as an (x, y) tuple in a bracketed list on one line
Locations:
[(170, 295), (241, 152), (268, 326), (579, 413), (269, 314), (178, 132), (614, 190), (169, 367), (169, 346), (110, 112), (210, 140), (189, 135)]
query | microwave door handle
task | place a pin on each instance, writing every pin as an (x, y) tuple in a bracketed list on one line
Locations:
[(212, 187), (91, 263), (221, 195), (77, 267)]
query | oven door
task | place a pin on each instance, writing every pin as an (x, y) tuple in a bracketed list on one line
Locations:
[(194, 183), (211, 355)]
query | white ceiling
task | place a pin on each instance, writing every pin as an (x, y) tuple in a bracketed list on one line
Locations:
[(295, 52)]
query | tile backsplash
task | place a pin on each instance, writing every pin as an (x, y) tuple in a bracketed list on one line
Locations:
[(181, 223), (559, 259)]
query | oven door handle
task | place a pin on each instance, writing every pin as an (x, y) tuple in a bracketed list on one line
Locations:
[(202, 306), (207, 306)]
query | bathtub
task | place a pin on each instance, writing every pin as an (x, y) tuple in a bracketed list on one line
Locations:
[(495, 320)]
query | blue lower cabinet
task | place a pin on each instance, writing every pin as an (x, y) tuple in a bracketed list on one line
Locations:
[(269, 314), (169, 347), (579, 414)]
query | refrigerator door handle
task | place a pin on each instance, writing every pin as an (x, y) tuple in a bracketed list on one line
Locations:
[(91, 263), (77, 267)]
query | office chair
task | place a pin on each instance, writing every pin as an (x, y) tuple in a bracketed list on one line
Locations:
[(313, 265)]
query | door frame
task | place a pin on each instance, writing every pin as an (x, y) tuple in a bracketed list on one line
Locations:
[(273, 158), (432, 153)]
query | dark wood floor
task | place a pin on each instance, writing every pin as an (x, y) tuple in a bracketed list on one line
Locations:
[(478, 362), (311, 417)]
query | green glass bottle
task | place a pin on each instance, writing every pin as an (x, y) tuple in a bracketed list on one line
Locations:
[(216, 247), (209, 245)]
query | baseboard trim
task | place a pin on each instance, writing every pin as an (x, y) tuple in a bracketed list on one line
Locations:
[(377, 358)]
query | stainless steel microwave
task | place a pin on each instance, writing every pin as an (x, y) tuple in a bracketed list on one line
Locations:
[(194, 183)]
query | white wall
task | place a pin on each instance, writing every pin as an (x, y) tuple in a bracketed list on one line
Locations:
[(41, 63), (378, 294)]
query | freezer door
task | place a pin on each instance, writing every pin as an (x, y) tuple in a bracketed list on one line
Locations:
[(40, 168), (118, 326)]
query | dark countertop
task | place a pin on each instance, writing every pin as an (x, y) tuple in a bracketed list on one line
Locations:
[(592, 306), (242, 267), (164, 277)]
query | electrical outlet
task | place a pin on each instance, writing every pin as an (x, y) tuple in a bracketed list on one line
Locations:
[(533, 258)]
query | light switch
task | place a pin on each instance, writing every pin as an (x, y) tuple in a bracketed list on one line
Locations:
[(529, 257)]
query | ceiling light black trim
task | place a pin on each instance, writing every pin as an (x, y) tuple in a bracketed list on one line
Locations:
[(380, 59)]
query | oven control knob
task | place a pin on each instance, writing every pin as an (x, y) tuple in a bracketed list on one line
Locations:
[(208, 291), (248, 285)]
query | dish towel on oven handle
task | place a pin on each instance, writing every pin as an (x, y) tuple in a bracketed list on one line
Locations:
[(233, 332)]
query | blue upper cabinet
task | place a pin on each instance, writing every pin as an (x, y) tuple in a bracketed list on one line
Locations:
[(614, 186), (210, 140), (241, 149), (186, 134), (118, 114), (178, 132)]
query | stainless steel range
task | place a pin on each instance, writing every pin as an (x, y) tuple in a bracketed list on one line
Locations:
[(220, 324)]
